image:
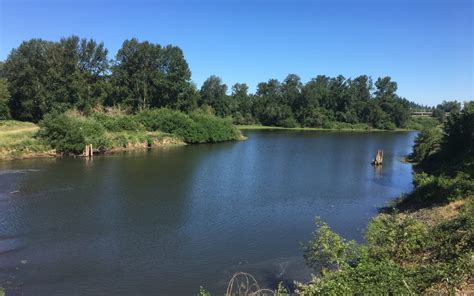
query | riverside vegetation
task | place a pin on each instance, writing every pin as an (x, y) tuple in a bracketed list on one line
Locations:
[(69, 132), (41, 81), (421, 244), (41, 76)]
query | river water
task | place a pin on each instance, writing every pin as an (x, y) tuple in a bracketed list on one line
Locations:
[(166, 221)]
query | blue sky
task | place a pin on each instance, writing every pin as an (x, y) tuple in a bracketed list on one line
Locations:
[(426, 46)]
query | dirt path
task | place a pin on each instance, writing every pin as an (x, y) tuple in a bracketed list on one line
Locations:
[(19, 130)]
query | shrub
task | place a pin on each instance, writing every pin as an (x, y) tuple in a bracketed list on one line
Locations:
[(215, 129), (70, 133), (199, 127), (95, 134), (431, 189), (395, 237), (288, 122), (118, 123), (63, 133), (427, 143), (171, 121), (329, 251)]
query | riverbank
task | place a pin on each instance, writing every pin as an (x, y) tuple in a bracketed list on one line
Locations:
[(423, 243), (414, 124), (19, 140), (69, 133), (357, 128)]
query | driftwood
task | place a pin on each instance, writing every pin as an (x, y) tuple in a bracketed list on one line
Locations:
[(378, 158)]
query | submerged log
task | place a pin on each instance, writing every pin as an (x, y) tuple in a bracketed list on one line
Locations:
[(378, 158)]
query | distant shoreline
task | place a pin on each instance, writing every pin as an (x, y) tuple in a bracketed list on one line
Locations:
[(266, 127)]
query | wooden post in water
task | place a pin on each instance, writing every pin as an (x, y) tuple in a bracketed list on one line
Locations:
[(88, 152), (378, 158)]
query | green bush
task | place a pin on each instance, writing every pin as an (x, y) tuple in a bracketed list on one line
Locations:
[(70, 134), (421, 123), (215, 129), (329, 251), (427, 143), (174, 122), (95, 134), (288, 122), (198, 127), (118, 123), (431, 189), (63, 133), (395, 237)]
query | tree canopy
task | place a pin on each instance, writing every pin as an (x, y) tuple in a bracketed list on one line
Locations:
[(42, 76)]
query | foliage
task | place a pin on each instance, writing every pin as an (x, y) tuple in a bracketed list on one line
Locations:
[(395, 237), (149, 75), (446, 107), (427, 143), (402, 254), (64, 133), (171, 121), (198, 127), (76, 73), (459, 131), (421, 123), (45, 76), (17, 140), (432, 189), (4, 100), (215, 129), (203, 292), (328, 251), (118, 123)]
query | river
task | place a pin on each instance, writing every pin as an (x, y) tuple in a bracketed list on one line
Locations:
[(168, 220)]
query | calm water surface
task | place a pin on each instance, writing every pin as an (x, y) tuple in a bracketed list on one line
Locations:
[(166, 221)]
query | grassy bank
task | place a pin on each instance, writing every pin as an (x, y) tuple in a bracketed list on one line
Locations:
[(19, 140), (68, 133)]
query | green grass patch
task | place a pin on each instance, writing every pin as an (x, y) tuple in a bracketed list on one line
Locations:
[(18, 140)]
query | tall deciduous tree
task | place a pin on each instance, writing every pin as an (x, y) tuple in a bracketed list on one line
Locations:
[(26, 69), (46, 75), (214, 94), (148, 75)]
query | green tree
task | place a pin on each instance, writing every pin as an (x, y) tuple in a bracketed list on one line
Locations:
[(427, 143), (147, 75), (46, 75), (136, 73), (26, 70), (291, 91), (214, 93), (4, 100), (243, 104), (390, 103)]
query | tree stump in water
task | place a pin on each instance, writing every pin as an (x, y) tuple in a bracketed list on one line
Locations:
[(378, 158)]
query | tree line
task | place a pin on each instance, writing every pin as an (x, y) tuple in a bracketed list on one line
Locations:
[(41, 76)]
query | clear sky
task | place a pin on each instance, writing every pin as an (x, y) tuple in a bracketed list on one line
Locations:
[(426, 46)]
